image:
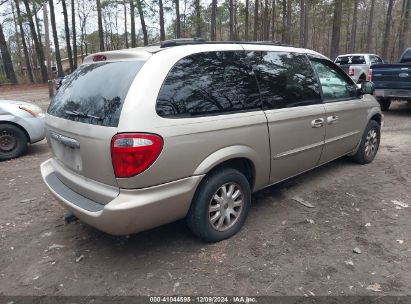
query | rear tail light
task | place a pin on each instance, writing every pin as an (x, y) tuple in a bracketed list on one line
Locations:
[(133, 153), (351, 71), (369, 75)]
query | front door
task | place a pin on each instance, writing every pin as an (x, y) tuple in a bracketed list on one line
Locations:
[(345, 110)]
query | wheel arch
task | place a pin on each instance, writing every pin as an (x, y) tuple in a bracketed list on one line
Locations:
[(6, 122), (377, 117), (241, 158)]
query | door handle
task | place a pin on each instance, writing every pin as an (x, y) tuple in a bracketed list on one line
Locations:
[(317, 123), (332, 119)]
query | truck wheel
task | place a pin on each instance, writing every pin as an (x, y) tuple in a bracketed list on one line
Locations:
[(369, 145), (361, 79), (220, 206), (13, 142), (384, 103)]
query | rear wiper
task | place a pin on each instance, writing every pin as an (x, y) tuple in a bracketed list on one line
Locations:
[(82, 115)]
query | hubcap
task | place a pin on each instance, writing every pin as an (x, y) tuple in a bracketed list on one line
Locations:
[(226, 206), (7, 141), (371, 142)]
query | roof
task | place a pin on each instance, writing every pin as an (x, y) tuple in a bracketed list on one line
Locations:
[(358, 54), (144, 53)]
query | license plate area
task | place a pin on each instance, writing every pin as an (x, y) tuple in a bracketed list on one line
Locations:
[(66, 150)]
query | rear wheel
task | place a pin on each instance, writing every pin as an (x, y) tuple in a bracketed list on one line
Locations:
[(384, 103), (220, 206), (13, 142), (370, 143), (361, 79)]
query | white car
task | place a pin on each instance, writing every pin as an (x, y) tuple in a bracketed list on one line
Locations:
[(357, 66), (21, 123)]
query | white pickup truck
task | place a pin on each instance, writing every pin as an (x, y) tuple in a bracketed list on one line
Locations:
[(357, 66)]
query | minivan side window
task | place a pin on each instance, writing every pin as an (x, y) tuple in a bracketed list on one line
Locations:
[(285, 79), (208, 83), (335, 84)]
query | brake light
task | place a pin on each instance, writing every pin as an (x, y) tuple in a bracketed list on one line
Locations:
[(99, 58), (133, 153), (369, 75), (351, 71)]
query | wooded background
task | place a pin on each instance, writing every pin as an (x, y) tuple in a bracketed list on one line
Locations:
[(76, 28)]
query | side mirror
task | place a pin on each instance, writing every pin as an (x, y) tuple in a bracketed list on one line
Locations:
[(367, 87)]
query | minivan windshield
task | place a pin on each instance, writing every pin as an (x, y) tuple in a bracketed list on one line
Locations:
[(350, 60), (95, 93)]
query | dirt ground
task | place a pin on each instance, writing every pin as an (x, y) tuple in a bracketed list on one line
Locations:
[(285, 248)]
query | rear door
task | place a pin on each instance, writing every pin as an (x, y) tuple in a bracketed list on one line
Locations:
[(345, 111), (83, 117), (292, 103)]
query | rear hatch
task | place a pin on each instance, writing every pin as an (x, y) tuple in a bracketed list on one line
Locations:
[(348, 60), (82, 119), (392, 76)]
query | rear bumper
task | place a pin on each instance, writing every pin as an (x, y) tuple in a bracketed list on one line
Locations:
[(132, 210), (392, 93)]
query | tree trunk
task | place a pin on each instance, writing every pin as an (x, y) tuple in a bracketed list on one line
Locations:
[(336, 30), (100, 26), (133, 24), (125, 22), (387, 31), (255, 37), (178, 23), (231, 20), (213, 28), (302, 22), (247, 7), (143, 23), (266, 21), (198, 17), (404, 28), (39, 50), (289, 28), (73, 23), (284, 30), (60, 71), (306, 10), (354, 27), (370, 27), (36, 18), (23, 40), (273, 22), (5, 55), (16, 31), (161, 15), (67, 34)]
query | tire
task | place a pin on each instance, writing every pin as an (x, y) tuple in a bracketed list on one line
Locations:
[(361, 79), (13, 142), (203, 220), (369, 144), (384, 103)]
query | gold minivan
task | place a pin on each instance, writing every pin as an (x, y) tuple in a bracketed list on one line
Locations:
[(189, 129)]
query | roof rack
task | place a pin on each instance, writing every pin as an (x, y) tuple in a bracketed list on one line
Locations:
[(186, 41), (181, 41)]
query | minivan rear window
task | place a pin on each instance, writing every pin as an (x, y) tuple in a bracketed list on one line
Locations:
[(350, 60), (95, 93)]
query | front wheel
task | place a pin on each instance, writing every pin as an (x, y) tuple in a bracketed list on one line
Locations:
[(13, 142), (220, 206), (370, 143)]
